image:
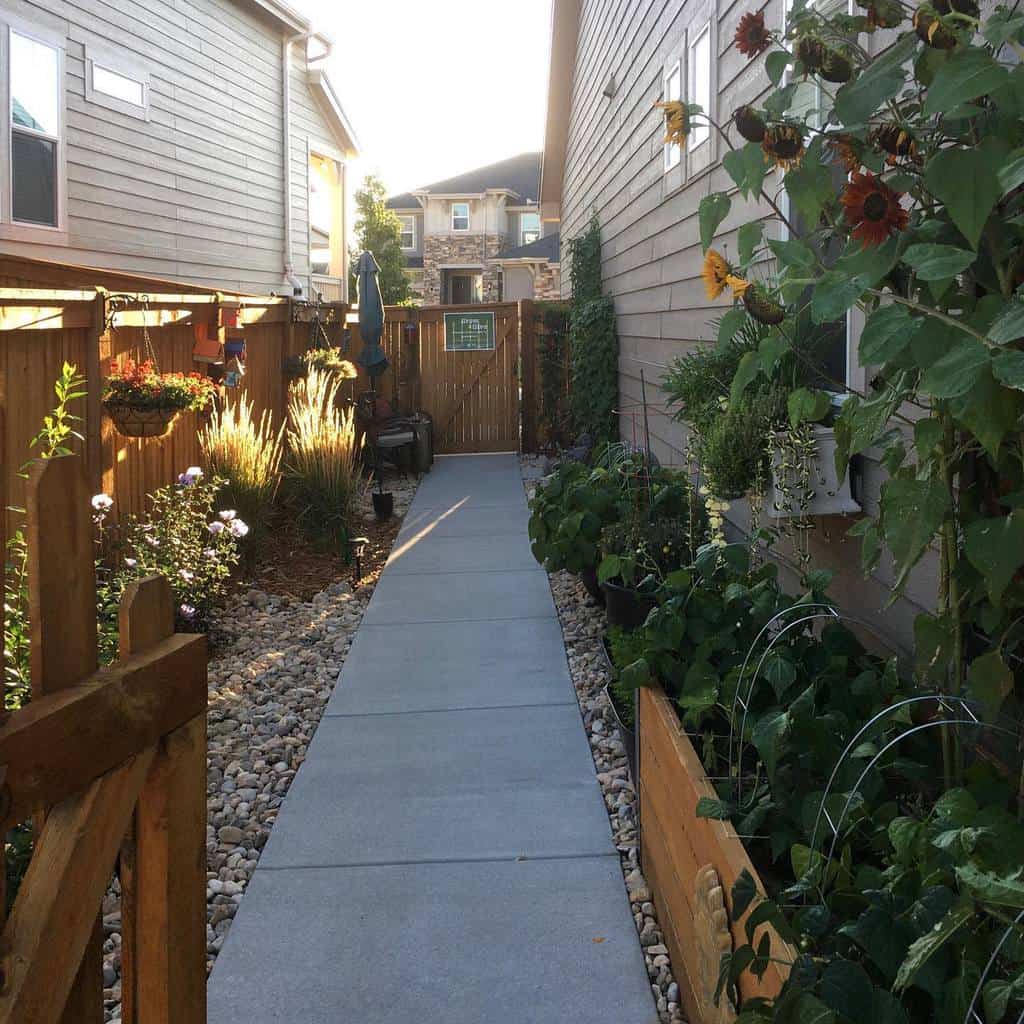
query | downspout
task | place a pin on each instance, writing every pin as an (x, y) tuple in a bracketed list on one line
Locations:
[(286, 144)]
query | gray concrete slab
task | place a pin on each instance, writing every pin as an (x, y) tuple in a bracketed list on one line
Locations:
[(462, 554), (508, 943), (472, 481), (444, 666), (463, 522), (492, 783), (452, 597)]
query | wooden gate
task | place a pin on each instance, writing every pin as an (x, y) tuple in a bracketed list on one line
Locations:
[(472, 393)]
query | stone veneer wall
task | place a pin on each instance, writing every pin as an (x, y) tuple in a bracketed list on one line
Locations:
[(547, 285), (473, 250)]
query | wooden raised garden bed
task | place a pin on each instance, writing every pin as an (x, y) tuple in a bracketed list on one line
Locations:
[(677, 849)]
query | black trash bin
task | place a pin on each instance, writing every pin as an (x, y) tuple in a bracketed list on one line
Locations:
[(423, 452)]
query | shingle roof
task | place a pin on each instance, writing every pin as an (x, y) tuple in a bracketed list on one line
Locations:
[(519, 174), (547, 248)]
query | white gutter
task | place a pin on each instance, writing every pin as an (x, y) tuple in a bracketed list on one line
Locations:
[(286, 144)]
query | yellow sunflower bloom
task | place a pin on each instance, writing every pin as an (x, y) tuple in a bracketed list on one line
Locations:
[(738, 285), (716, 273)]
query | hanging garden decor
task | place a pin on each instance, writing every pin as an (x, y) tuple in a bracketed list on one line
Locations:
[(143, 402)]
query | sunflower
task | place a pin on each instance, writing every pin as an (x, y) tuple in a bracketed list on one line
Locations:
[(931, 30), (761, 306), (872, 209), (811, 52), (883, 14), (716, 273), (895, 141), (677, 121), (751, 37), (738, 285), (783, 145), (837, 68), (843, 150), (749, 123)]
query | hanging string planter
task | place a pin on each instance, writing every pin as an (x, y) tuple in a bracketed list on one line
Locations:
[(143, 402)]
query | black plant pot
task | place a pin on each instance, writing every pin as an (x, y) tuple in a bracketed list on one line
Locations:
[(626, 732), (626, 607), (383, 505), (588, 577)]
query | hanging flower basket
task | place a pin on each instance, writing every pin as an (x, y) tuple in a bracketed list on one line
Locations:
[(132, 421), (142, 402)]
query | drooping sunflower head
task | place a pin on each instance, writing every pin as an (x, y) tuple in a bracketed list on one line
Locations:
[(752, 38), (882, 13), (967, 7), (811, 52), (783, 144), (931, 30), (837, 67), (759, 303), (749, 123), (872, 209), (716, 273), (894, 140), (843, 149), (738, 285), (677, 121)]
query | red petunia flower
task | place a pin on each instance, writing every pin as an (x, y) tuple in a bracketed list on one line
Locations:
[(751, 36), (872, 209)]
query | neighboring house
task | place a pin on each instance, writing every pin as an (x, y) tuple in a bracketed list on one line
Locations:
[(605, 153), (532, 271), (457, 234), (148, 137)]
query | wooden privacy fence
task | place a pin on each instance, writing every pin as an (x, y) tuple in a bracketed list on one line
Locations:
[(110, 766)]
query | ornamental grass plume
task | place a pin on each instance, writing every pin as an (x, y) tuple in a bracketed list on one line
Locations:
[(321, 468), (247, 454)]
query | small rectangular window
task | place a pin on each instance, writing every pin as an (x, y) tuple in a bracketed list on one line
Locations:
[(460, 216), (700, 85), (673, 91), (119, 86), (408, 236), (35, 130), (529, 228)]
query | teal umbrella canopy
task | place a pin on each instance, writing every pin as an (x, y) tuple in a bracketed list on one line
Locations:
[(371, 317)]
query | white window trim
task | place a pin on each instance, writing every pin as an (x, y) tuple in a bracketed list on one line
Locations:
[(700, 158), (469, 217), (672, 155), (411, 218), (317, 147), (522, 230), (117, 63), (691, 86), (49, 32)]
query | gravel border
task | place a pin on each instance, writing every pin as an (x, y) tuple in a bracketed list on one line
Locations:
[(274, 664), (583, 627)]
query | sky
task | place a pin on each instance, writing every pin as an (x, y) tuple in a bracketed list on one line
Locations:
[(436, 87)]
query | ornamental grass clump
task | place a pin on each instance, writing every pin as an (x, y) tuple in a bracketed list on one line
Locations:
[(246, 453), (321, 467)]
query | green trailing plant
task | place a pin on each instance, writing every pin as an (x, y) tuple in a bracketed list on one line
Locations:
[(625, 647), (552, 336), (593, 341)]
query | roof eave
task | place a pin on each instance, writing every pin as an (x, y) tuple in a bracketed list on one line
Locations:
[(565, 16), (323, 91), (283, 14)]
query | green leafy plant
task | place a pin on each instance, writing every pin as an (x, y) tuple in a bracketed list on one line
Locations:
[(625, 647), (552, 338), (593, 342)]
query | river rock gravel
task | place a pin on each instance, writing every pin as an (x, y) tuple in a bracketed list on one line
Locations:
[(274, 662), (583, 627)]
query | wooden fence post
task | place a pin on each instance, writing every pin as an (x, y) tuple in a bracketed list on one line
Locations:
[(62, 617), (94, 393), (163, 862), (528, 373)]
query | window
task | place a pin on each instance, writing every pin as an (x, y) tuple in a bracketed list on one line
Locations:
[(326, 215), (700, 85), (116, 82), (529, 228), (673, 91), (408, 225), (35, 139), (460, 216), (120, 87)]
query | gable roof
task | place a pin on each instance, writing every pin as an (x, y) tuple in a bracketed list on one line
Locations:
[(548, 248), (519, 174)]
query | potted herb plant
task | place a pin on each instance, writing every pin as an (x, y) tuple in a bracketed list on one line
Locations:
[(143, 402)]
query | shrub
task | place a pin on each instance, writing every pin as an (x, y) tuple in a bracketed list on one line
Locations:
[(183, 538), (322, 464), (329, 359), (593, 343), (247, 455)]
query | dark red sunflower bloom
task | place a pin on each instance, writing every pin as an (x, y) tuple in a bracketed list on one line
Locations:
[(751, 36), (872, 209)]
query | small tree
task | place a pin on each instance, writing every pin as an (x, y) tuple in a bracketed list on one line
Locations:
[(379, 231)]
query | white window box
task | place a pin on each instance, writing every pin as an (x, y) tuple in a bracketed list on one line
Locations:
[(825, 494)]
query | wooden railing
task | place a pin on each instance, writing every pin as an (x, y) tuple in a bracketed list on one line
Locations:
[(110, 766)]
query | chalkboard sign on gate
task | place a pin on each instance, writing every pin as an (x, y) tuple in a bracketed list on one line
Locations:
[(469, 332)]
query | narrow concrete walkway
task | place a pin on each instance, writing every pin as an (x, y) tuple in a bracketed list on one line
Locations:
[(444, 856)]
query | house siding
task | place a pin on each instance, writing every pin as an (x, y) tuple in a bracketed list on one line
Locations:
[(651, 253), (193, 193)]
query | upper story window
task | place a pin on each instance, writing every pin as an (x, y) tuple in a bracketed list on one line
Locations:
[(529, 228), (673, 91), (408, 226), (35, 130), (460, 216), (700, 84), (115, 82)]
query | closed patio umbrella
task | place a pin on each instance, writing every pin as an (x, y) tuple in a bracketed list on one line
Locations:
[(371, 317)]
